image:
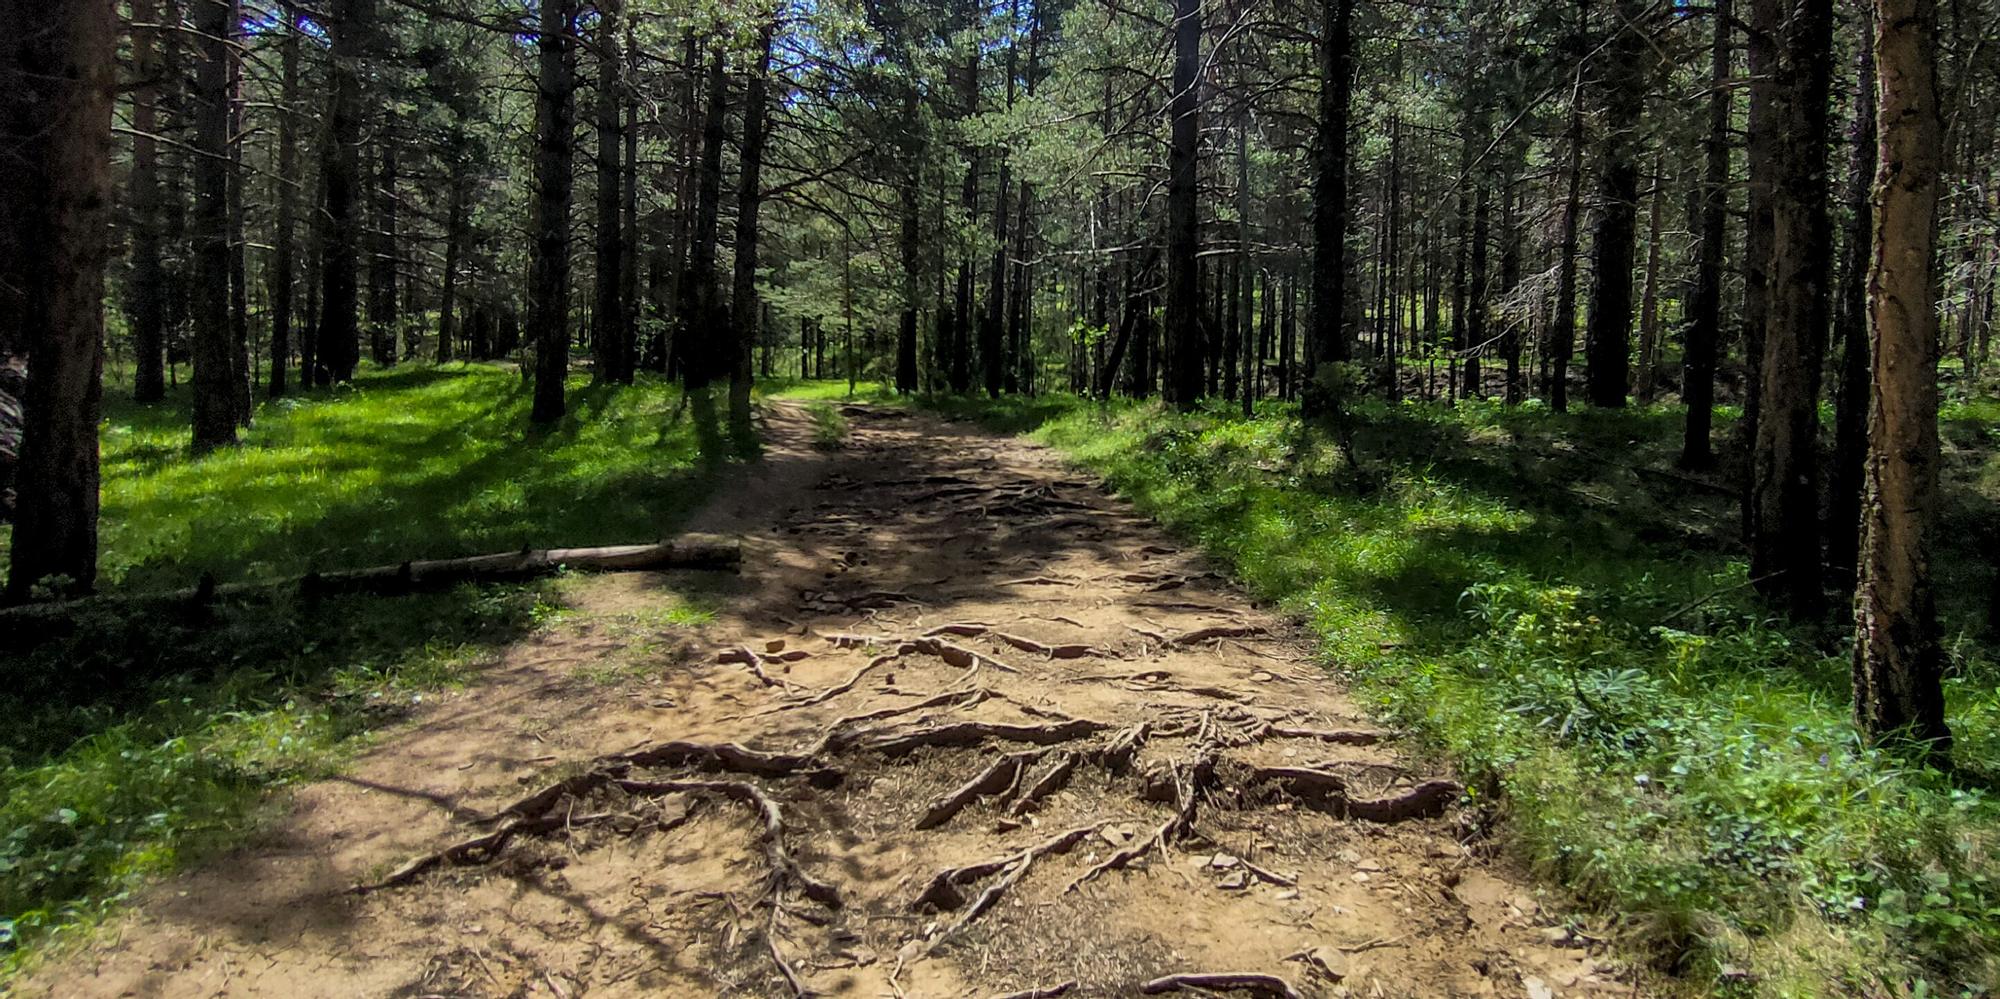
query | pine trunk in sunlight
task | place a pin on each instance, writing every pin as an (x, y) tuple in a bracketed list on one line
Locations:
[(1898, 656), (215, 412), (1326, 339), (743, 311)]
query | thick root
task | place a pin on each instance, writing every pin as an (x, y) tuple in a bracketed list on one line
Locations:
[(1237, 981), (962, 734), (1054, 779), (1328, 791), (1003, 775), (944, 891)]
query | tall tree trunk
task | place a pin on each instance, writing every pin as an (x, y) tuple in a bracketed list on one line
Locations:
[(454, 241), (1477, 306), (214, 393), (1898, 656), (1649, 296), (284, 252), (555, 160), (1760, 149), (628, 278), (1510, 280), (339, 331), (1845, 482), (1326, 340), (1608, 336), (1561, 344), (146, 291), (608, 319), (743, 289), (383, 314), (1704, 333), (57, 76), (910, 245), (1784, 525), (241, 373), (700, 307), (1183, 277)]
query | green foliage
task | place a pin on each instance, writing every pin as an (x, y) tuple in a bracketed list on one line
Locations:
[(136, 740), (829, 427), (409, 462), (1575, 639)]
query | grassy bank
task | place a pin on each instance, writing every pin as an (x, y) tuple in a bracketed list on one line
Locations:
[(132, 744), (1540, 599)]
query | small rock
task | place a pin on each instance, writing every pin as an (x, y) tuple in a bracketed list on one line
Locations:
[(1327, 961), (1116, 835), (1263, 677), (1235, 881), (1361, 877), (1537, 989), (1560, 936), (775, 645), (1288, 894), (1223, 861), (475, 928), (1349, 856)]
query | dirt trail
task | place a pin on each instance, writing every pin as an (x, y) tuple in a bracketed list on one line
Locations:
[(965, 726)]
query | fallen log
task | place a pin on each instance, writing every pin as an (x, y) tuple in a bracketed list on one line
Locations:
[(698, 553)]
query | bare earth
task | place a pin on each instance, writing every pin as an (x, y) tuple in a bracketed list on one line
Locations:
[(964, 727)]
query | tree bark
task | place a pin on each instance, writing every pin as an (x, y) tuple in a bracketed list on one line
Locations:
[(1608, 334), (700, 309), (1845, 483), (339, 331), (1704, 333), (146, 292), (1326, 340), (383, 313), (555, 156), (608, 330), (1784, 522), (57, 77), (214, 393), (284, 252), (743, 288), (1898, 656)]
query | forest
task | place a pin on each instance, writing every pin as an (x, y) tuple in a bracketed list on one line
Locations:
[(1004, 498)]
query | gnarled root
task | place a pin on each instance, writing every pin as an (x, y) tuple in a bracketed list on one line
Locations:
[(1239, 981), (1003, 775), (1328, 791)]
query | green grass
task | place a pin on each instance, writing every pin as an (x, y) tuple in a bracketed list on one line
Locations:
[(1577, 637), (140, 739)]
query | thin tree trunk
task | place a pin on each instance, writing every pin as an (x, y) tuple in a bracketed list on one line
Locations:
[(1704, 334), (555, 154), (743, 304), (1183, 276), (608, 330), (241, 372), (146, 291), (1649, 296), (1562, 330), (699, 296), (1846, 481), (284, 253), (214, 395), (383, 313)]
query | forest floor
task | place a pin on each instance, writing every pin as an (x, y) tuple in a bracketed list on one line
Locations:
[(963, 726)]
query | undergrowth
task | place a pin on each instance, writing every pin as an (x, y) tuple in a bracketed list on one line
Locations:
[(134, 741), (1523, 592)]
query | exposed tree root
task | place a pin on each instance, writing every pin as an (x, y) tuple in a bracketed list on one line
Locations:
[(785, 871), (963, 629), (974, 733), (956, 655), (1043, 992), (1329, 791), (840, 688), (1217, 631), (744, 655), (944, 892), (1003, 775), (1054, 779), (1191, 780), (477, 850), (1041, 649), (1345, 737), (728, 757), (1227, 981)]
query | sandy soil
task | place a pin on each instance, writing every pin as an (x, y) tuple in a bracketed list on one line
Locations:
[(965, 726)]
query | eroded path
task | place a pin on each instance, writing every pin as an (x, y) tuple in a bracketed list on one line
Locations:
[(964, 727)]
